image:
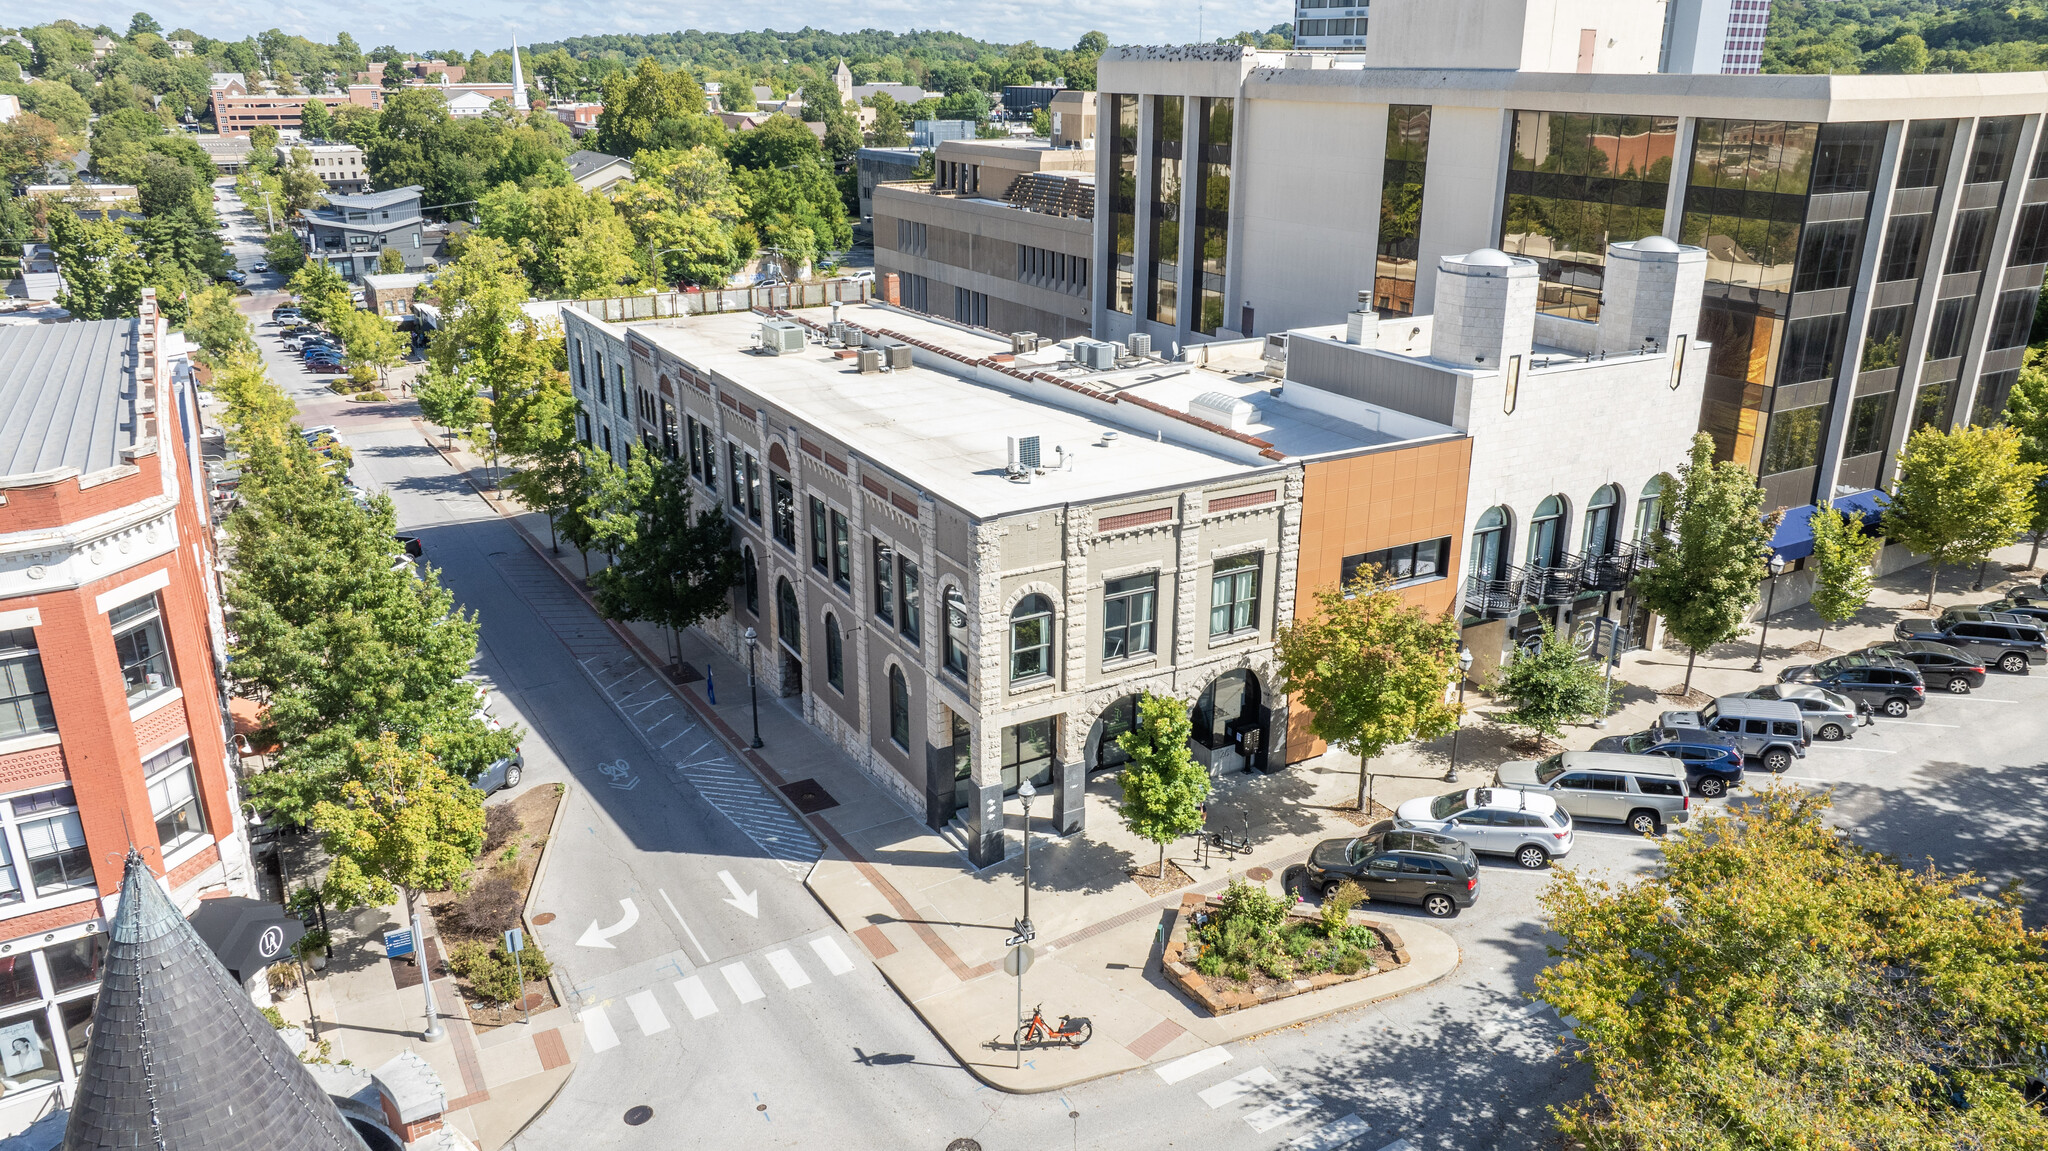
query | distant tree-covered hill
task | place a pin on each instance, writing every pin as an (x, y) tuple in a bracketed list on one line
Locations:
[(1895, 36)]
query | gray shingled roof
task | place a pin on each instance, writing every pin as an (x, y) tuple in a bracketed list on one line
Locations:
[(583, 162), (364, 201), (67, 396), (180, 1060)]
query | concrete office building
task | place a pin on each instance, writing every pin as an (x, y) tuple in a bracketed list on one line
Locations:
[(1875, 243), (999, 239), (340, 165), (112, 732), (1716, 36), (965, 569)]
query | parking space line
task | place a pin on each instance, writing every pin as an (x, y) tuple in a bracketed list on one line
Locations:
[(1865, 750), (1980, 699)]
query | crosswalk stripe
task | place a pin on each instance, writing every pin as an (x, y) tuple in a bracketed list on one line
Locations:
[(1332, 1135), (1283, 1111), (647, 1012), (597, 1030), (786, 966), (1194, 1064), (1399, 1145), (742, 981), (1231, 1090), (831, 955), (696, 997)]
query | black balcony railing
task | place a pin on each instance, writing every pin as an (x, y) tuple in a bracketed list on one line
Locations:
[(1514, 590)]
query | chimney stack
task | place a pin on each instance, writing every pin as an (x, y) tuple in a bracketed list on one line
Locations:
[(1485, 310)]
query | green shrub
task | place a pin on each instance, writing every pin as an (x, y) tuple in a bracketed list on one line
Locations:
[(489, 970), (1250, 932), (1337, 907), (275, 1018)]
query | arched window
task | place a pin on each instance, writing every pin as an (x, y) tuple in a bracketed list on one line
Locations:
[(1601, 515), (956, 631), (1546, 534), (899, 708), (1230, 700), (1650, 509), (788, 619), (1116, 719), (1031, 638), (835, 654), (1490, 544), (750, 576)]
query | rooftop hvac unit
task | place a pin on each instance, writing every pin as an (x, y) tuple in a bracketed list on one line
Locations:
[(870, 360), (1022, 342), (897, 353), (1095, 355), (1139, 343), (1024, 454), (782, 337), (836, 330)]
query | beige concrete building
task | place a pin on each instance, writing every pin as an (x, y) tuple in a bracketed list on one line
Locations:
[(1875, 243), (1001, 238), (339, 165)]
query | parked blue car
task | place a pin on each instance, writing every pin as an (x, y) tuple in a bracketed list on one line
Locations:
[(1713, 764)]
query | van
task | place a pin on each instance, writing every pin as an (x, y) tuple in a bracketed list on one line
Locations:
[(1643, 791), (1770, 730)]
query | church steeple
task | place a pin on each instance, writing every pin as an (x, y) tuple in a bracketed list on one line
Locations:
[(180, 1060), (519, 99)]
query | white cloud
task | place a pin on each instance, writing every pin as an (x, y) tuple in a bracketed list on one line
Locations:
[(486, 23)]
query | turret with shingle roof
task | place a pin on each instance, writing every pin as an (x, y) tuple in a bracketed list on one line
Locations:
[(180, 1059)]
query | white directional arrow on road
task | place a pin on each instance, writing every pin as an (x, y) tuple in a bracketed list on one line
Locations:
[(747, 901), (596, 936)]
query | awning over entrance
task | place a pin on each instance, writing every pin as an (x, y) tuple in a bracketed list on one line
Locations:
[(247, 935), (1794, 538)]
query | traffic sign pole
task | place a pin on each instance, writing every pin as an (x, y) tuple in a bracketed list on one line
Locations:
[(515, 942)]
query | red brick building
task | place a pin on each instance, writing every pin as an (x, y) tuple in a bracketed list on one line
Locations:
[(111, 720)]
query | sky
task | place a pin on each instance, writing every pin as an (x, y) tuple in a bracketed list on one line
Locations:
[(486, 24)]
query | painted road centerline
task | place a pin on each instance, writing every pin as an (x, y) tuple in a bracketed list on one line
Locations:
[(597, 1030), (696, 997), (685, 924), (647, 1012), (742, 981)]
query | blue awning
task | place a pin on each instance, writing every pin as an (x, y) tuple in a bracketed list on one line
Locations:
[(1794, 537)]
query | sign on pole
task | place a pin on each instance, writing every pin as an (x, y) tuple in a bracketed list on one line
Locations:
[(1017, 960), (398, 944), (515, 941)]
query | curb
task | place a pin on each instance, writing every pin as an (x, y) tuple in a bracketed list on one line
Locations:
[(540, 871)]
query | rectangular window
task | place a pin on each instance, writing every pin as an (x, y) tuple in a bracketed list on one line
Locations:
[(1951, 328), (139, 641), (1870, 420), (970, 307), (916, 293), (1998, 141), (2015, 316), (736, 474), (885, 582), (619, 376), (785, 511), (696, 450), (819, 550), (1931, 406), (1129, 606), (10, 892), (1120, 125), (1401, 183), (1885, 336), (1406, 564), (1215, 126), (1905, 248), (1971, 242), (1234, 594), (1167, 132), (1813, 347), (910, 237), (1993, 390), (842, 551), (753, 488), (57, 856), (1577, 182), (910, 594), (24, 694), (1828, 255), (1793, 439), (2030, 238), (1925, 158), (173, 799)]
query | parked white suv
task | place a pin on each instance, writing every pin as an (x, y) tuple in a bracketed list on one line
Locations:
[(1531, 828)]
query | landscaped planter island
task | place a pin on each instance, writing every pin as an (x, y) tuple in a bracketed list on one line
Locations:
[(1245, 947)]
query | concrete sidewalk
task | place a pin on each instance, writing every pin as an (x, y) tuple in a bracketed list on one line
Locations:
[(936, 928)]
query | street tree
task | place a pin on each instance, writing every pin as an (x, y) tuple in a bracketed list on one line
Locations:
[(1960, 494), (481, 293), (1842, 555), (403, 823), (2026, 412), (323, 294), (550, 479), (103, 270), (450, 401), (678, 567), (285, 253), (391, 262), (1549, 686), (1704, 572), (316, 122), (1371, 669), (610, 495), (1163, 787), (371, 343), (1830, 996), (217, 326)]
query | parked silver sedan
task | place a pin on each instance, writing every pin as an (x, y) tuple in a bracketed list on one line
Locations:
[(1828, 715)]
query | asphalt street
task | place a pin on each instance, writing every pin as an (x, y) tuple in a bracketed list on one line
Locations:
[(773, 1030)]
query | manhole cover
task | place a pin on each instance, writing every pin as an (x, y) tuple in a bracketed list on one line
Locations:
[(1257, 874), (639, 1115), (963, 1145), (535, 999), (809, 797), (543, 919)]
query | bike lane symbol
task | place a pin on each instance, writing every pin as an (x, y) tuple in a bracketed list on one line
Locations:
[(619, 774)]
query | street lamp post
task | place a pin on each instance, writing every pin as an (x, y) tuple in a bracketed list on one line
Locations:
[(434, 1032), (753, 693), (1026, 793), (1464, 672), (1770, 599)]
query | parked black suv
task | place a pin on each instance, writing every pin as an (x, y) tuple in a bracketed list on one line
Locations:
[(2006, 640), (1713, 763), (1890, 685), (2033, 611), (1434, 871), (1941, 665)]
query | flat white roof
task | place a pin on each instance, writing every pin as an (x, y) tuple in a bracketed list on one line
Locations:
[(944, 424)]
